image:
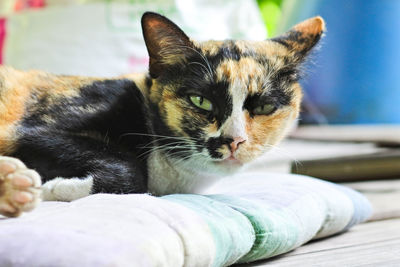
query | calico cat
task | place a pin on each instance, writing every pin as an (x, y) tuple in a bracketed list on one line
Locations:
[(202, 111)]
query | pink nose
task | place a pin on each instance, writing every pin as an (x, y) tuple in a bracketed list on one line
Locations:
[(236, 142)]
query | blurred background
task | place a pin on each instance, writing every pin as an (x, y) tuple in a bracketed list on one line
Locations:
[(354, 78)]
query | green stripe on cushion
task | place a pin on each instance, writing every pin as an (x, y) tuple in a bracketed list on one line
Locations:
[(232, 231)]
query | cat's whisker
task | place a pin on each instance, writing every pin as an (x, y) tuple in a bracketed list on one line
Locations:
[(182, 139), (155, 148), (154, 142), (182, 142), (284, 153), (173, 154), (191, 156), (152, 149), (184, 159), (186, 147), (168, 147), (202, 65), (201, 55), (159, 138), (155, 135)]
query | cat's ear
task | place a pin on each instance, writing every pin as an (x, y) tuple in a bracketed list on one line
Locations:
[(166, 43), (300, 39)]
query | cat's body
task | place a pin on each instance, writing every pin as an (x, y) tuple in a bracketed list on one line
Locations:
[(203, 111)]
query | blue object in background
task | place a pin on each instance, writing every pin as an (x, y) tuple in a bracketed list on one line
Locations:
[(355, 77)]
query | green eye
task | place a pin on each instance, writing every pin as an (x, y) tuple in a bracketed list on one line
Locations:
[(265, 109), (201, 102)]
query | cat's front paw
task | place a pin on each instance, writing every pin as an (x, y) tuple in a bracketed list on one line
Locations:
[(19, 187)]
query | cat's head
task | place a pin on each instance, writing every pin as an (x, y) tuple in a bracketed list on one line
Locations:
[(216, 105)]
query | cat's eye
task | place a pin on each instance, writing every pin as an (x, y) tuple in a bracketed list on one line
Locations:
[(265, 109), (201, 102)]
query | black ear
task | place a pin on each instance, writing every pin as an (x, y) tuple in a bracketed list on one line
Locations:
[(302, 37), (166, 43)]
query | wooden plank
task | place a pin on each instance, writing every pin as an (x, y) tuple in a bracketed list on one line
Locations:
[(383, 195), (381, 165), (380, 186), (369, 244), (382, 134), (372, 254), (280, 158)]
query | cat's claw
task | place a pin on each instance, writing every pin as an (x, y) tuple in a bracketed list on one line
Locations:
[(19, 187)]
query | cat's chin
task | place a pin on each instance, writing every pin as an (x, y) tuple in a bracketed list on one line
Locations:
[(227, 166), (213, 167), (229, 163), (227, 170)]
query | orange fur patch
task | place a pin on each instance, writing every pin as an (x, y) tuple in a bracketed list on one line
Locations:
[(314, 25), (13, 95), (265, 132), (246, 71), (210, 48), (20, 91), (171, 111)]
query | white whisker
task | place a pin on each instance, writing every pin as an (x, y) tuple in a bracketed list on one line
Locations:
[(285, 153), (202, 56)]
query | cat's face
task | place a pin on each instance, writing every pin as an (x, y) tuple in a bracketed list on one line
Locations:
[(217, 105)]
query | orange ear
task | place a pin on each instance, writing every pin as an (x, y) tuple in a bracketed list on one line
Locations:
[(303, 36), (315, 25), (166, 43)]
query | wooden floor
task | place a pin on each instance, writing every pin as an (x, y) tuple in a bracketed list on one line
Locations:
[(375, 243), (369, 244)]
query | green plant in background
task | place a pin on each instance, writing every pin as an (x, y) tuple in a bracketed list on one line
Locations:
[(271, 12)]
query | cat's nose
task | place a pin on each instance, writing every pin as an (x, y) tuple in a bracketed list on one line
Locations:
[(236, 142)]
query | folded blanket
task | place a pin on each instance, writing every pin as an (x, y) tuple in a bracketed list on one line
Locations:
[(247, 217)]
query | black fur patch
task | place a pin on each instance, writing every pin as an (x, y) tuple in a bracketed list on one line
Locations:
[(98, 133), (215, 143), (216, 92), (298, 41), (276, 97), (166, 138), (227, 51)]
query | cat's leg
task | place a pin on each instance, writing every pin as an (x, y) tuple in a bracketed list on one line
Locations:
[(19, 187), (100, 177), (74, 166), (67, 189)]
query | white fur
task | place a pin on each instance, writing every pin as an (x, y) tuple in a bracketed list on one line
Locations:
[(67, 189), (235, 125), (168, 177)]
